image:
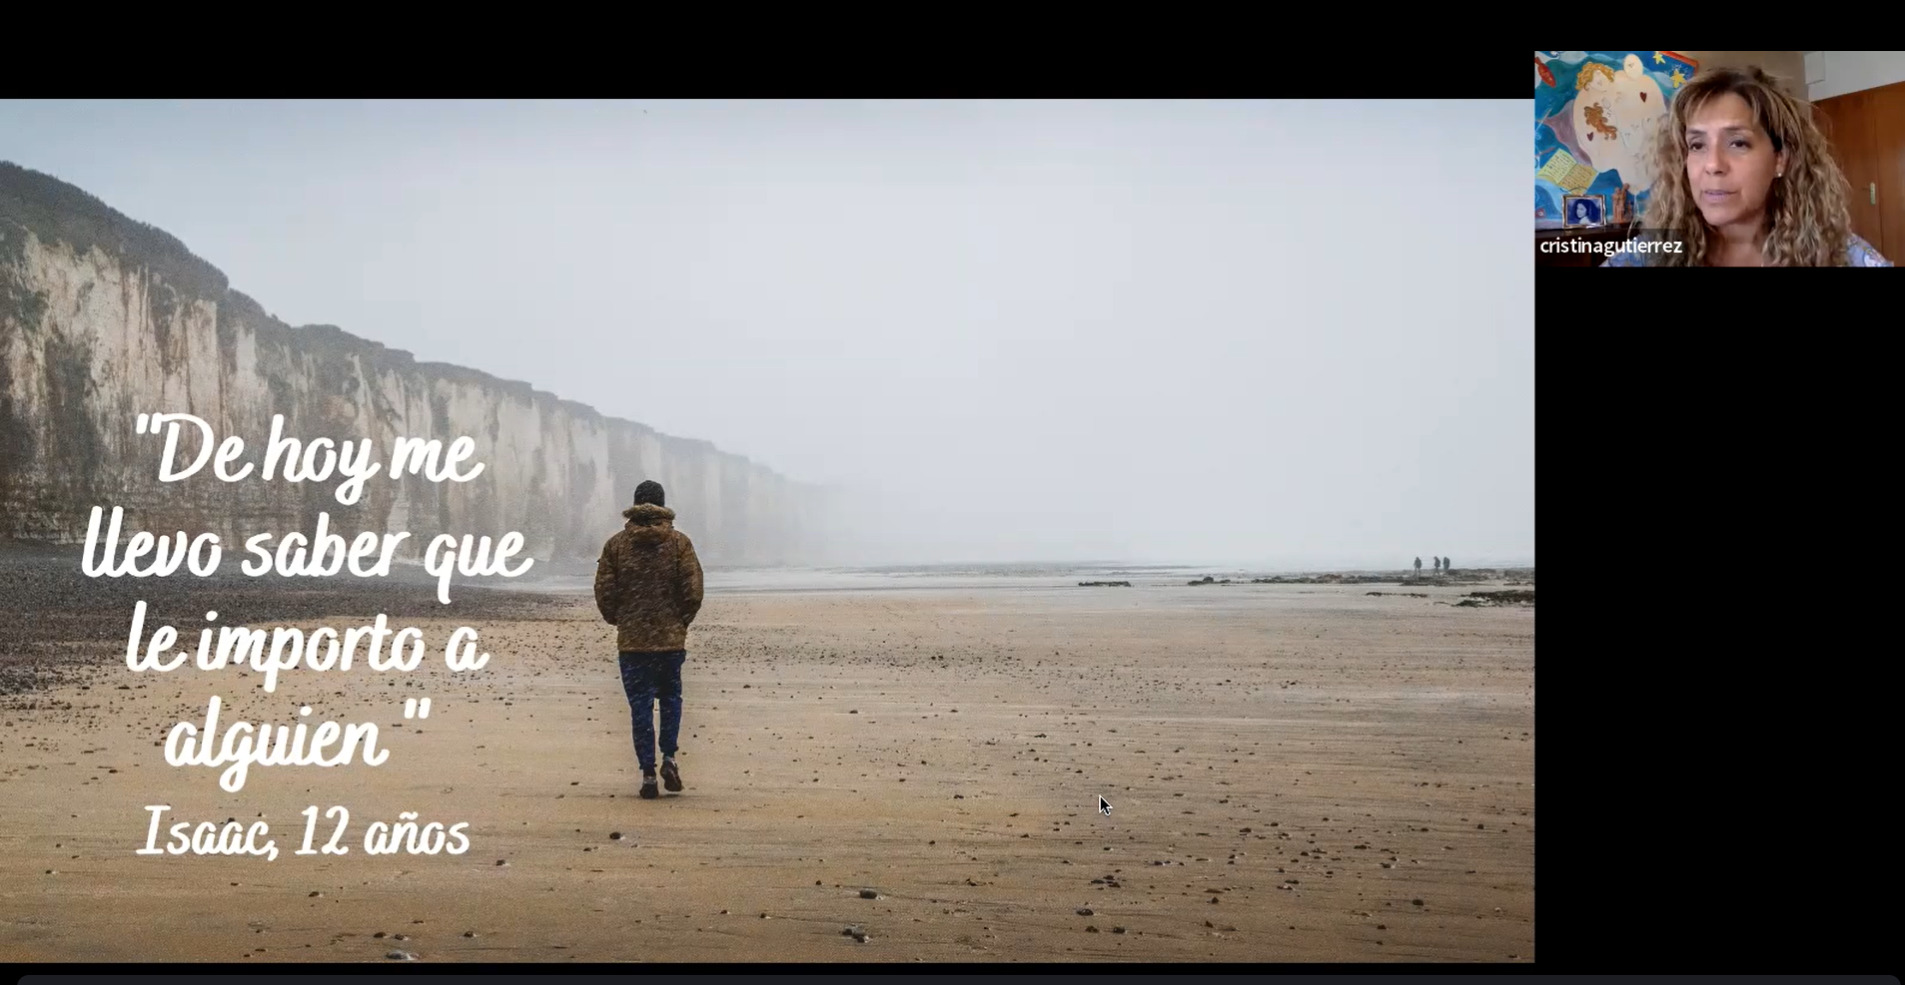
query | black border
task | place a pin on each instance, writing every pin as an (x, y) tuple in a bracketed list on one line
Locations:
[(1673, 839)]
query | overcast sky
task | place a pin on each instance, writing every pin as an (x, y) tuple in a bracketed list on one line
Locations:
[(1268, 333)]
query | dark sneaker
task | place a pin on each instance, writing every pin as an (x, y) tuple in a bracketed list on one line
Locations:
[(649, 790), (670, 776)]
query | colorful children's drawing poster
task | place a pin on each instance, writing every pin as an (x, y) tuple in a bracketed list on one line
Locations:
[(1595, 117)]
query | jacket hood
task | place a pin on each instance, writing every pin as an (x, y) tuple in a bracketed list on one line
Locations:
[(647, 518)]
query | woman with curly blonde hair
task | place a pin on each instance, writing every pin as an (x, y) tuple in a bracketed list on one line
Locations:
[(1746, 180)]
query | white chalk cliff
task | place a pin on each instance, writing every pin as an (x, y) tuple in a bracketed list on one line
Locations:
[(103, 318)]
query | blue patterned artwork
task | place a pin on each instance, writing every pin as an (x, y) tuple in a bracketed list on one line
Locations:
[(1595, 116)]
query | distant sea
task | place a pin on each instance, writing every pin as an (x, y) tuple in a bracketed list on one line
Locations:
[(935, 576), (578, 577)]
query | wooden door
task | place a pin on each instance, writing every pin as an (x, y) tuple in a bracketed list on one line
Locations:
[(1886, 109), (1848, 122)]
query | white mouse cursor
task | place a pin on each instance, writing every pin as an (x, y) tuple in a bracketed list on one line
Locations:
[(1104, 806)]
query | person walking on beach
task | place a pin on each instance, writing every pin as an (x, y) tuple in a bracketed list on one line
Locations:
[(1418, 567), (648, 586)]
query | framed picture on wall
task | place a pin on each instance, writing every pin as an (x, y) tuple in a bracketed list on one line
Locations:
[(1586, 210)]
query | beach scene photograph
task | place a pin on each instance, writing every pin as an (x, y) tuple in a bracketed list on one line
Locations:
[(710, 532)]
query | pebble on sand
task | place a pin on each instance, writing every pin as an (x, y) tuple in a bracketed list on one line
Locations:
[(615, 836), (401, 956), (1084, 911), (869, 894)]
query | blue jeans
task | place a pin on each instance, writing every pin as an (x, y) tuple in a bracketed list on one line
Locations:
[(648, 678)]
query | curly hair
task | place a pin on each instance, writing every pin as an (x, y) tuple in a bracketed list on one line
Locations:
[(1809, 222)]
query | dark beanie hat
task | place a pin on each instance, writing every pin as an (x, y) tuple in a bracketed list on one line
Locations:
[(649, 492)]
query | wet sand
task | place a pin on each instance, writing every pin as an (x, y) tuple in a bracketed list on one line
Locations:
[(1296, 773)]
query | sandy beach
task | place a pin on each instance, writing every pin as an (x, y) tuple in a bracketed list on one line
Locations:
[(1301, 773)]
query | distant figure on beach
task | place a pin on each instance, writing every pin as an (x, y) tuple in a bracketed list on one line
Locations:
[(1418, 567), (648, 586), (1436, 566), (1447, 566)]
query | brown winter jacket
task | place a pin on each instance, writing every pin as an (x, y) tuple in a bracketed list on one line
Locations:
[(648, 582)]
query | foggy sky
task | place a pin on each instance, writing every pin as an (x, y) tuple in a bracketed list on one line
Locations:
[(1279, 334)]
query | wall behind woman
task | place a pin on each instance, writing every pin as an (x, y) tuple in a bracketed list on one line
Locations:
[(1790, 66), (1835, 73)]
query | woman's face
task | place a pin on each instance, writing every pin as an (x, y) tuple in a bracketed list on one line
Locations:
[(1731, 164)]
